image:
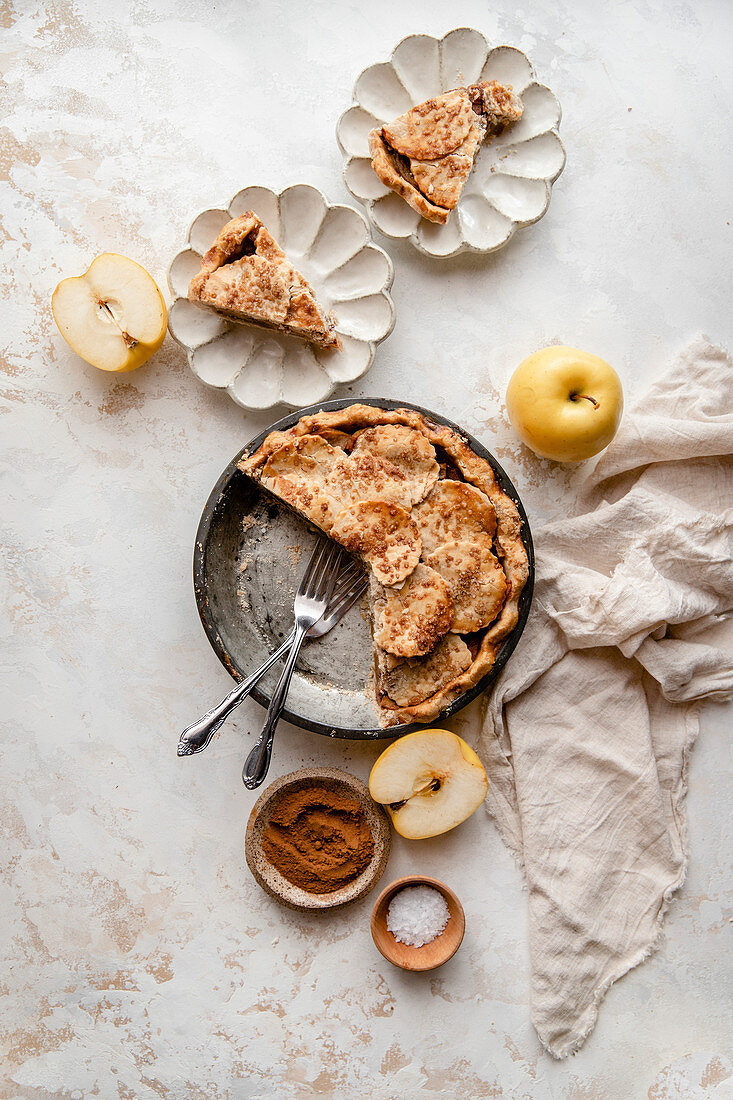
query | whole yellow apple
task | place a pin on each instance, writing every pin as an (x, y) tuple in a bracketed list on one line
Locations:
[(113, 315), (565, 404)]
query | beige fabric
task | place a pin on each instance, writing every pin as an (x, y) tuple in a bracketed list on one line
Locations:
[(587, 733)]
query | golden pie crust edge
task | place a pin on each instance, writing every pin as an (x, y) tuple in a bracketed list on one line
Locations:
[(384, 167), (476, 471)]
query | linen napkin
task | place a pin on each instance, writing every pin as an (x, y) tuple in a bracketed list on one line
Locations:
[(587, 732)]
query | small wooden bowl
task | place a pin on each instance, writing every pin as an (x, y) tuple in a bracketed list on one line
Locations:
[(270, 879), (432, 954)]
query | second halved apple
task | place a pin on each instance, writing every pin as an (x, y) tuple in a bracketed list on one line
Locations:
[(429, 781), (113, 315)]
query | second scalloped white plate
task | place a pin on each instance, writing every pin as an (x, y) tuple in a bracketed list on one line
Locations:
[(331, 246), (512, 175)]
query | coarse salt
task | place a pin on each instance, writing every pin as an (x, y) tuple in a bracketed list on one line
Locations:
[(417, 915)]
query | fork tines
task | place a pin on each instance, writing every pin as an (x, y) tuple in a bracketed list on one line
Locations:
[(321, 570)]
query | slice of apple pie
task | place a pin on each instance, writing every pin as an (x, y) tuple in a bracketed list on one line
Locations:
[(246, 276), (441, 540), (426, 155)]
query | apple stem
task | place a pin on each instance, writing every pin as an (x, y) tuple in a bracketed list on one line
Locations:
[(584, 397)]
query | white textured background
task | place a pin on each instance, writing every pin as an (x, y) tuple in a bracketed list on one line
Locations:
[(141, 960)]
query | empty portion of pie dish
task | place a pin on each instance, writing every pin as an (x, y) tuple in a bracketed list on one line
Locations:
[(442, 541), (283, 347), (504, 182)]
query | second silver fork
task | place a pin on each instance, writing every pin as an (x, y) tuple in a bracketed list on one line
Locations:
[(349, 586), (310, 604)]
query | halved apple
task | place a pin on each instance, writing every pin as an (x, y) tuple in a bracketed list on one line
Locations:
[(113, 315), (430, 781)]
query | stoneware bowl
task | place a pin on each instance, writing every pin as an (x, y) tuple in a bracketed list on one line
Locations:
[(432, 954), (249, 554), (331, 245), (273, 882), (512, 175)]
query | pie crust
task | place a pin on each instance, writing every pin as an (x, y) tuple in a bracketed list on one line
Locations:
[(442, 541), (246, 276), (383, 535), (475, 580), (426, 155), (409, 621)]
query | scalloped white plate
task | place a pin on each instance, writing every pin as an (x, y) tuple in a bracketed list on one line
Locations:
[(513, 173), (331, 245)]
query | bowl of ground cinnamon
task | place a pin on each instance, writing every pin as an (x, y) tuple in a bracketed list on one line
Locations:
[(316, 839)]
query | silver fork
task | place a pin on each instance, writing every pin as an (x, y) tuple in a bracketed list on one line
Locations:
[(309, 606), (351, 585), (196, 737)]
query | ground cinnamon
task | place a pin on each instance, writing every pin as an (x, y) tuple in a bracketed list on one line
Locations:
[(318, 838)]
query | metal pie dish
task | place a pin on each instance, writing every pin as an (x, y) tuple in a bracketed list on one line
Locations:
[(332, 247), (512, 176), (249, 554)]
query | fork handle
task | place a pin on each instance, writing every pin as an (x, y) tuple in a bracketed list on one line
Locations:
[(197, 736), (257, 763)]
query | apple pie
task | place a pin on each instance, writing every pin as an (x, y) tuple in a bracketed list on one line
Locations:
[(441, 540), (247, 277), (426, 155)]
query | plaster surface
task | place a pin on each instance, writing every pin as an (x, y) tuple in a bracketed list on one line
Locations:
[(140, 959)]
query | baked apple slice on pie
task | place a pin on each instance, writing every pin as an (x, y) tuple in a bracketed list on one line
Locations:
[(426, 155), (440, 538), (247, 277)]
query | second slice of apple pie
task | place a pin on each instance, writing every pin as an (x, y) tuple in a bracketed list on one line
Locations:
[(426, 154)]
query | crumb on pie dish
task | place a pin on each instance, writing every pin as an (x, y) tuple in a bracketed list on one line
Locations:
[(247, 277), (426, 155), (440, 538)]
